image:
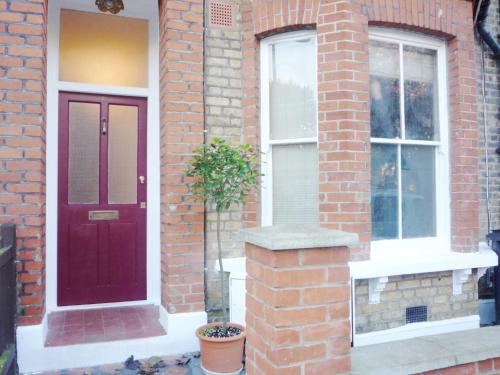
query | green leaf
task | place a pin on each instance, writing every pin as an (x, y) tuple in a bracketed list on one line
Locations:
[(223, 174)]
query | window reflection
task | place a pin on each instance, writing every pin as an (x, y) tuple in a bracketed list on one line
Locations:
[(419, 196), (384, 110), (419, 66), (384, 185), (292, 85), (384, 90), (403, 177)]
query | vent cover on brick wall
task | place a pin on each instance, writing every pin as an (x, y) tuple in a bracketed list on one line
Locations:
[(221, 14), (416, 314)]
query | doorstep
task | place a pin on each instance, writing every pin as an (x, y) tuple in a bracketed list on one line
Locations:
[(104, 324), (35, 356)]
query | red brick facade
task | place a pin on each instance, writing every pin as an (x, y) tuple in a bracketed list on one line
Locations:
[(181, 129), (342, 27), (343, 99), (23, 35)]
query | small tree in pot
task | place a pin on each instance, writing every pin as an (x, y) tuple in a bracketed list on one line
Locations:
[(223, 175)]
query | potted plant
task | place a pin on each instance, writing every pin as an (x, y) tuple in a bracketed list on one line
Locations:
[(223, 175)]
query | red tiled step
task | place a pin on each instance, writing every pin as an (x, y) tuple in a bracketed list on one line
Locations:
[(101, 325)]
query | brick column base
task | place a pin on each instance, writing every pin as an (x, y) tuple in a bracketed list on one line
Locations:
[(297, 310)]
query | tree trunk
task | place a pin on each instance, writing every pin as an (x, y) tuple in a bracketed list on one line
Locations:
[(222, 286)]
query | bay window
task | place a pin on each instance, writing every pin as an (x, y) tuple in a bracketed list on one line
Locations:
[(289, 130), (409, 141)]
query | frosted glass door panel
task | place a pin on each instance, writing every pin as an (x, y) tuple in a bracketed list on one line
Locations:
[(295, 184), (103, 49), (83, 170), (292, 85), (122, 154)]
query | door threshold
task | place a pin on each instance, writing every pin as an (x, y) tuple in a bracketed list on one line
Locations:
[(89, 326), (101, 305)]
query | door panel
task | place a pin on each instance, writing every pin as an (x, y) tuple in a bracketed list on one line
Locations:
[(121, 244), (83, 254), (102, 183)]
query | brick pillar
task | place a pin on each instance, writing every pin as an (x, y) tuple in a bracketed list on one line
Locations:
[(23, 40), (344, 121), (181, 130), (464, 132), (297, 301)]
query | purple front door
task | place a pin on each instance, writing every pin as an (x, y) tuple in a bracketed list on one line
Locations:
[(102, 199)]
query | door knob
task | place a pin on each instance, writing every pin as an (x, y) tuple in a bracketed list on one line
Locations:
[(141, 179)]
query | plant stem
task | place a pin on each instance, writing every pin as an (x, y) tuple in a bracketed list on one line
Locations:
[(221, 267)]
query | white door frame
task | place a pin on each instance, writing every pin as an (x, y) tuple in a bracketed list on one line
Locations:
[(146, 9)]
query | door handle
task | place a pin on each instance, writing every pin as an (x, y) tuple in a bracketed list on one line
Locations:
[(141, 179), (104, 126)]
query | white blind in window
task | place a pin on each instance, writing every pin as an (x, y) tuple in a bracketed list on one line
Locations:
[(295, 184)]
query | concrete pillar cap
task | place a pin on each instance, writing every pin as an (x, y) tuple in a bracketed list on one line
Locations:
[(297, 236)]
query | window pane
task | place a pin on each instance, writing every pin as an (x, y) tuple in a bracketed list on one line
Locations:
[(122, 154), (384, 186), (292, 85), (103, 49), (83, 172), (295, 184), (419, 67), (384, 90), (419, 195)]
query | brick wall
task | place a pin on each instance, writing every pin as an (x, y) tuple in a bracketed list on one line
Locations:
[(250, 101), (434, 290), (344, 129), (492, 70), (342, 103), (224, 119), (486, 367), (343, 100), (181, 129), (23, 35)]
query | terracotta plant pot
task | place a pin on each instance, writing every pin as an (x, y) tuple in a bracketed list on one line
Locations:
[(221, 355)]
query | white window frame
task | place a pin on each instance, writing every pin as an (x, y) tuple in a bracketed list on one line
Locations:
[(441, 243), (266, 143)]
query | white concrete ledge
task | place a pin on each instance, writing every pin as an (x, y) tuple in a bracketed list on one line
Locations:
[(427, 353), (297, 236), (420, 329), (412, 265)]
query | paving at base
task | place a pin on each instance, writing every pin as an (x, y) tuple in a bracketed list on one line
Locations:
[(187, 364)]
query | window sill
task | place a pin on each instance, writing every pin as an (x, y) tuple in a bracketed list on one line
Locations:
[(427, 353), (404, 265)]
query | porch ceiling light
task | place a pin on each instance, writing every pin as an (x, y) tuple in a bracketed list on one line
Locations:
[(112, 6)]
